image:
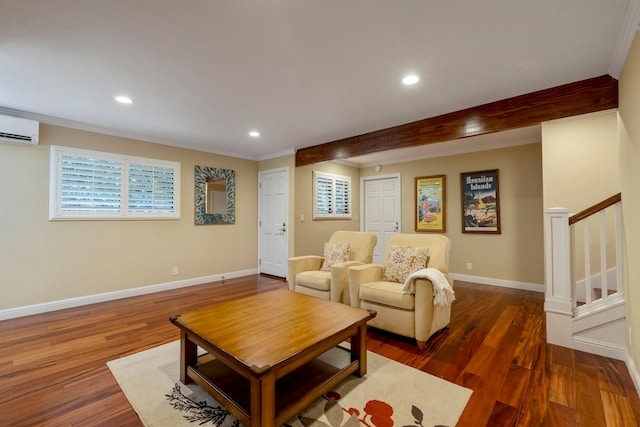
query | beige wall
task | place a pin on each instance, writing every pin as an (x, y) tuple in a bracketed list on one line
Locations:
[(629, 112), (580, 158), (51, 260), (515, 255), (311, 234)]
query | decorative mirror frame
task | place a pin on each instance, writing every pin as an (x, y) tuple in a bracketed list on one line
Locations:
[(201, 175)]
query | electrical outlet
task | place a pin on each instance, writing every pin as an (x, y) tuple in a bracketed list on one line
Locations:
[(175, 271), (469, 266)]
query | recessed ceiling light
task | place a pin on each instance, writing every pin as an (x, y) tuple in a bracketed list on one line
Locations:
[(254, 133), (411, 80), (123, 99)]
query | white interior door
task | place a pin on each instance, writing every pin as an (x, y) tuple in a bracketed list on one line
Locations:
[(273, 203), (380, 204)]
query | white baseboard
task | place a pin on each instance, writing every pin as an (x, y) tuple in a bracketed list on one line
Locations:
[(633, 372), (600, 348), (28, 310), (525, 286)]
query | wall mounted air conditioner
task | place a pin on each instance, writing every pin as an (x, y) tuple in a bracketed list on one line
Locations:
[(18, 130)]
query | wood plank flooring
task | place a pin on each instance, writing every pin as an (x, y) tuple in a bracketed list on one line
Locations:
[(53, 372)]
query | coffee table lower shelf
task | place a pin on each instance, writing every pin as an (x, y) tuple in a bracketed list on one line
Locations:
[(293, 392)]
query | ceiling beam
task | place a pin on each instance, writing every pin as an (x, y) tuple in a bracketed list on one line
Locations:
[(585, 96)]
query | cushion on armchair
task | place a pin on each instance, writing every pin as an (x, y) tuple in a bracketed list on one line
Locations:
[(335, 253), (320, 280), (387, 293), (404, 260)]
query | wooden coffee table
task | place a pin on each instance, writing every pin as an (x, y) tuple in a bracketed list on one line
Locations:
[(262, 362)]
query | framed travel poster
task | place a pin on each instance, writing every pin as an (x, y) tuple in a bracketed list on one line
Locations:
[(430, 200), (480, 202)]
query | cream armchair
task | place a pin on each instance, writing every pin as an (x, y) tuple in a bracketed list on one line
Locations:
[(402, 312), (305, 273)]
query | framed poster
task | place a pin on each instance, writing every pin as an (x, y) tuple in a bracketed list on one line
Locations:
[(480, 202), (430, 200)]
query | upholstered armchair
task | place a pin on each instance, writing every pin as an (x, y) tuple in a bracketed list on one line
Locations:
[(327, 277), (411, 308)]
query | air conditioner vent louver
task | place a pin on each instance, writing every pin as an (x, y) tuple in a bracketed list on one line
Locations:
[(14, 136), (18, 130)]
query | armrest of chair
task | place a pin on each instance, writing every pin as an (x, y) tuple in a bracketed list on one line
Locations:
[(360, 274), (302, 263), (427, 291), (425, 309), (340, 280)]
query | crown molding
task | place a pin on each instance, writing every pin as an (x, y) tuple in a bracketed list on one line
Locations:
[(628, 31), (276, 155), (57, 121)]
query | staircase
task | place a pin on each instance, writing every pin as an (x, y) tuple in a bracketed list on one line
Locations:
[(584, 298)]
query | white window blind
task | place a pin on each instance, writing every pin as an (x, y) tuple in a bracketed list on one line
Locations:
[(95, 185), (151, 188), (90, 184), (332, 196)]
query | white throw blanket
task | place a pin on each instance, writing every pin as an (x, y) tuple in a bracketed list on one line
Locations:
[(442, 292)]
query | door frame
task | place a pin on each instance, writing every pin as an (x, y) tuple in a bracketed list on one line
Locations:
[(290, 231)]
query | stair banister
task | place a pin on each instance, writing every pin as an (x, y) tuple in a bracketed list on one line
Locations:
[(578, 326), (600, 210)]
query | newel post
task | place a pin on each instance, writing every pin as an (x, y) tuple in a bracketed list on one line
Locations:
[(558, 302)]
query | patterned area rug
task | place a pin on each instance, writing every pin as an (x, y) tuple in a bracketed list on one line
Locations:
[(391, 394)]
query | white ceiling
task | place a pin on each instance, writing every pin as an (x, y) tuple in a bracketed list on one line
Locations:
[(203, 73)]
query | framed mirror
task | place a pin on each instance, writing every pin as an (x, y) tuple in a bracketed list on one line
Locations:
[(215, 195)]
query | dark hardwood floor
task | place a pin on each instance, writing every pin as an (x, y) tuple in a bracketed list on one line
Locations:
[(53, 371)]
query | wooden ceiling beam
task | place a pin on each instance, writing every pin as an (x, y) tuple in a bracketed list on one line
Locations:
[(585, 96)]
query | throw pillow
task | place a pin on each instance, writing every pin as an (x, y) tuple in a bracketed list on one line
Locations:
[(335, 253), (404, 260)]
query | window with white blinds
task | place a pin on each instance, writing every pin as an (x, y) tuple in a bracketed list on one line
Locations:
[(151, 188), (331, 196), (95, 185)]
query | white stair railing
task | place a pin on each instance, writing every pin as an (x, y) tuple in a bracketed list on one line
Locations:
[(605, 284), (565, 296)]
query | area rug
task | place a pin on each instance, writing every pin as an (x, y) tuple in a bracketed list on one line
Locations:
[(390, 394)]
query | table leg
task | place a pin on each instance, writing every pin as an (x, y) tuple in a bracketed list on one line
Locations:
[(263, 401), (188, 356), (268, 400), (359, 349)]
